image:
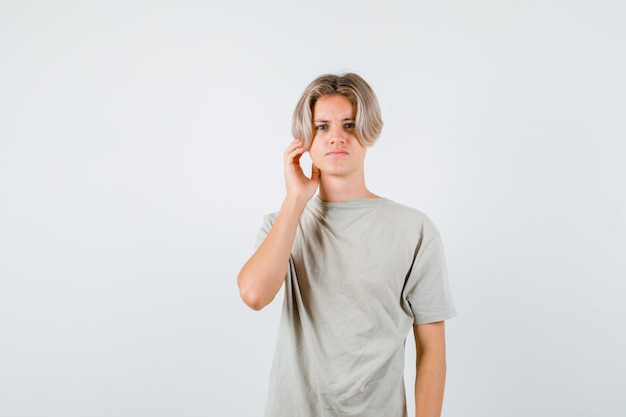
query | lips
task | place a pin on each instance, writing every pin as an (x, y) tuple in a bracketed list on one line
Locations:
[(337, 152)]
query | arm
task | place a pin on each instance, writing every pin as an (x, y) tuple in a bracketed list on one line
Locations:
[(430, 348), (263, 274)]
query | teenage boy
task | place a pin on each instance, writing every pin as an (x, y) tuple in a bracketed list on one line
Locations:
[(359, 271)]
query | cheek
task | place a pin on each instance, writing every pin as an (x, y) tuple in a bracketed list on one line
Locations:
[(317, 155)]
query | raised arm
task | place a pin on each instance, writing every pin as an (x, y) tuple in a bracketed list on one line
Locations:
[(263, 274), (430, 347)]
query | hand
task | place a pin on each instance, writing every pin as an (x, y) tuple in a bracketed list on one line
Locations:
[(298, 184)]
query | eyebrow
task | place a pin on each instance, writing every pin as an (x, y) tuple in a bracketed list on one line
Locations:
[(347, 119)]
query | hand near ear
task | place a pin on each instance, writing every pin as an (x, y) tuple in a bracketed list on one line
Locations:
[(298, 184), (262, 276)]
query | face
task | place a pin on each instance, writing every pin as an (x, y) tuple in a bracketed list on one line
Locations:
[(335, 149)]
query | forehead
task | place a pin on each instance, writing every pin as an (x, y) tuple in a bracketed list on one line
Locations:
[(333, 106)]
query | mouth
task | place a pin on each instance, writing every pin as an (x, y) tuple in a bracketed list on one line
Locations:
[(337, 153)]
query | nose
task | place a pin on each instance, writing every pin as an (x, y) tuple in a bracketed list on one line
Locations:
[(337, 135)]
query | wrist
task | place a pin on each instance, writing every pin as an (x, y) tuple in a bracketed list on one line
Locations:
[(295, 203)]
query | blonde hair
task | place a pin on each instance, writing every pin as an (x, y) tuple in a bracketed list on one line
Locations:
[(368, 121)]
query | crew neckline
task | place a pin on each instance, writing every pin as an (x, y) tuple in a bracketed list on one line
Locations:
[(355, 202)]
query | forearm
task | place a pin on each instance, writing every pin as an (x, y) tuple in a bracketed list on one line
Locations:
[(429, 383), (263, 275)]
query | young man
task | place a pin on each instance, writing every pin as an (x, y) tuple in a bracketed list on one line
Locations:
[(359, 271)]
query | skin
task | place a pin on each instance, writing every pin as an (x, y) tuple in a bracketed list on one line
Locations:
[(430, 361), (338, 171), (337, 152)]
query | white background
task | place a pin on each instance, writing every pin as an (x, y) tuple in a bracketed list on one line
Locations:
[(141, 143)]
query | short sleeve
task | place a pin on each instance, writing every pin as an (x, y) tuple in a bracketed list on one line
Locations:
[(268, 223), (427, 289)]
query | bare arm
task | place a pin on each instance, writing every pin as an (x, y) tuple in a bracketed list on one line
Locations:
[(430, 347), (263, 274)]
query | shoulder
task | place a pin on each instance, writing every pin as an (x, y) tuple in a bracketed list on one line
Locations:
[(270, 218), (409, 216), (266, 226)]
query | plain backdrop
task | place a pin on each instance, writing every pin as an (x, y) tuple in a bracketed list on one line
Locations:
[(141, 143)]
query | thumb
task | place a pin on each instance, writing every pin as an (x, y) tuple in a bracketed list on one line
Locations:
[(315, 173)]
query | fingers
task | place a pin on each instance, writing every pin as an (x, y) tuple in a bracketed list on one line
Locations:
[(298, 184), (294, 146), (294, 151)]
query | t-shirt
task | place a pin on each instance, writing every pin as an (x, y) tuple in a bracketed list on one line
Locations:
[(360, 274)]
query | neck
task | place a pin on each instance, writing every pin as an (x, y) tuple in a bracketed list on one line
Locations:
[(338, 190)]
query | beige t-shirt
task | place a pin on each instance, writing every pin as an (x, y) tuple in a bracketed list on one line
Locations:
[(361, 273)]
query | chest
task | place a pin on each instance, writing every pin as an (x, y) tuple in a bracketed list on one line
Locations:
[(362, 261)]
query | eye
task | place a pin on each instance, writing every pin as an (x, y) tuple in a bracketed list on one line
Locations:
[(349, 125), (321, 127)]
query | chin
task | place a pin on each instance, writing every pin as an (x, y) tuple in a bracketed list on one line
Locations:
[(335, 172)]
